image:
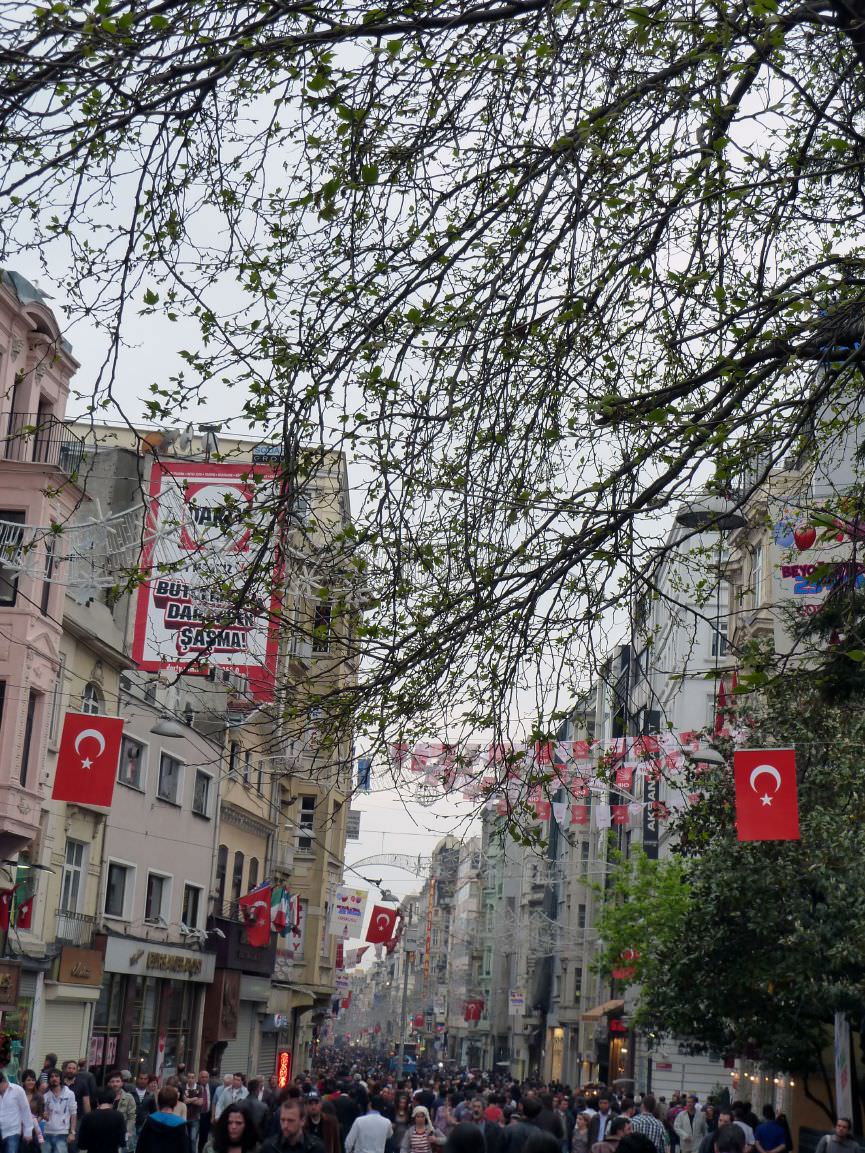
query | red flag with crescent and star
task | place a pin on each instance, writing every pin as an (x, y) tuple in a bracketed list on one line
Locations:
[(382, 923), (767, 801), (255, 911), (87, 759)]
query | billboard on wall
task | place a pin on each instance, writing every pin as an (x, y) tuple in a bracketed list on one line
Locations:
[(199, 548)]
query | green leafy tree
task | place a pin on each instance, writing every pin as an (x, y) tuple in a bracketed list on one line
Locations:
[(769, 942)]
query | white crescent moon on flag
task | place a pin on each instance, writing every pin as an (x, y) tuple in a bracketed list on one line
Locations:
[(758, 772), (382, 920), (95, 735)]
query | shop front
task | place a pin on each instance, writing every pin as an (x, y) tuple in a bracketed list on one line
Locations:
[(148, 1016), (236, 1008)]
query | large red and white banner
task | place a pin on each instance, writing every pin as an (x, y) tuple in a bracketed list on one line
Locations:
[(767, 800), (201, 555), (87, 759)]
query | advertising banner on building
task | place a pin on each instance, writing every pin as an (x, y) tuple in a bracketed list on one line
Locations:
[(347, 912), (516, 1002), (202, 555)]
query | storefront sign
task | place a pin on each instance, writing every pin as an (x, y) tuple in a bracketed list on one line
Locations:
[(80, 967), (347, 912), (651, 799), (140, 958), (10, 973), (283, 1068), (233, 951), (516, 1002)]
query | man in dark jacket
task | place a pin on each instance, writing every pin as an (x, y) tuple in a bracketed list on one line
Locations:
[(293, 1138), (164, 1131), (549, 1120), (517, 1133), (321, 1125)]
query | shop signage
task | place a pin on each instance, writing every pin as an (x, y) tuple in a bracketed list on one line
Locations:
[(10, 973), (140, 958), (283, 1068), (280, 1020), (233, 951), (80, 967), (663, 1066)]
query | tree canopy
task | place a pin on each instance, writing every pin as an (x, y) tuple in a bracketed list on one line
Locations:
[(539, 268)]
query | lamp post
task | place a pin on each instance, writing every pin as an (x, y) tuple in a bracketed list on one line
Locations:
[(409, 942)]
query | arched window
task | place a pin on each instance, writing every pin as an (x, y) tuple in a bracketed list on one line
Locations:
[(91, 699), (237, 877), (253, 873)]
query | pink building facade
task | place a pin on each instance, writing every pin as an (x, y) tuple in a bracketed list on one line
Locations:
[(38, 461)]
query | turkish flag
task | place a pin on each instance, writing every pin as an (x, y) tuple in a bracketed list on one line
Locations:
[(87, 759), (24, 917), (472, 1010), (382, 924), (5, 909), (767, 804), (255, 911)]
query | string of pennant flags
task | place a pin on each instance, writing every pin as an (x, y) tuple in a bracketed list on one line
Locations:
[(571, 765)]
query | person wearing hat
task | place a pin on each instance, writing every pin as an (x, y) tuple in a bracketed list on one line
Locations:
[(322, 1125), (422, 1137)]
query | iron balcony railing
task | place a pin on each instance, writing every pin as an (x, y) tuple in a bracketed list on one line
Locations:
[(74, 928), (42, 438)]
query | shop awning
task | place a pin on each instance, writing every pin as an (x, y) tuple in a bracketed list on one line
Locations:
[(603, 1010)]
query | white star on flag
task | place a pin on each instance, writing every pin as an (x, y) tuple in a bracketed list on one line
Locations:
[(766, 799), (86, 763)]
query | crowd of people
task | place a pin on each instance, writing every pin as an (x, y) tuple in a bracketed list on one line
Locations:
[(338, 1110)]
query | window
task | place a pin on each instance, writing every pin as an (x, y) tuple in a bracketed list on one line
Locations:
[(260, 779), (584, 852), (91, 699), (118, 889), (11, 536), (237, 877), (719, 634), (30, 726), (191, 906), (130, 771), (757, 575), (72, 878), (581, 916), (233, 758), (221, 874), (578, 984), (49, 573), (247, 761), (253, 873), (156, 900), (306, 822), (321, 625), (201, 794), (57, 701), (168, 788)]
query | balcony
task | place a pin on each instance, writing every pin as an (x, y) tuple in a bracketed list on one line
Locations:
[(74, 929), (41, 438)]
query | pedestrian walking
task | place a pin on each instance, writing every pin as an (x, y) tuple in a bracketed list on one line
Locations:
[(292, 1137), (690, 1126), (124, 1104), (839, 1140), (165, 1130), (647, 1123), (370, 1133), (104, 1129), (235, 1131), (61, 1113), (422, 1137)]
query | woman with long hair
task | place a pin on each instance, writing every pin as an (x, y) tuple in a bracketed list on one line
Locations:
[(235, 1131), (37, 1107)]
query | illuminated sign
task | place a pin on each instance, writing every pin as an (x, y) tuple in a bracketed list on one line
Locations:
[(283, 1068)]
